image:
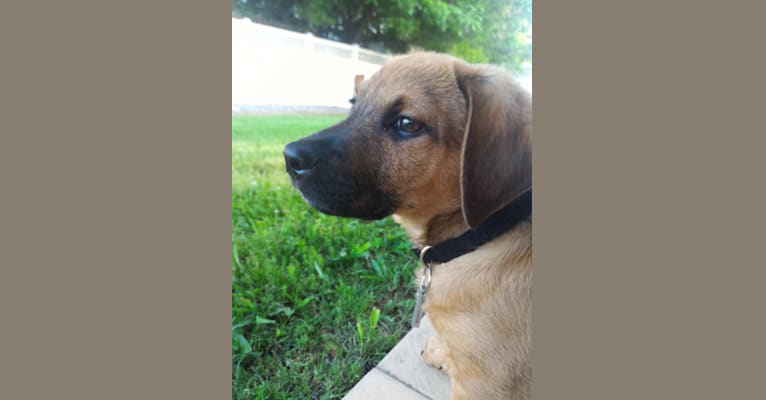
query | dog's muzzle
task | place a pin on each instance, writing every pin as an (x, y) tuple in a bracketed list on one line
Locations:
[(320, 168)]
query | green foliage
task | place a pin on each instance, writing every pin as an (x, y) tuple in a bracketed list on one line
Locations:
[(365, 337), (469, 52), (498, 31), (317, 300)]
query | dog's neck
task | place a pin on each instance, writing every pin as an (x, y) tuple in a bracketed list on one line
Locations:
[(430, 230), (450, 236), (449, 226)]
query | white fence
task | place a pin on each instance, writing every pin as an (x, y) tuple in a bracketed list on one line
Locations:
[(280, 69), (275, 67)]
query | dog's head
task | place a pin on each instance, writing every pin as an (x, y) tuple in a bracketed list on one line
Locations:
[(427, 134)]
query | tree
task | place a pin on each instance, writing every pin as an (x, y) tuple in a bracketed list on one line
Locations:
[(496, 31)]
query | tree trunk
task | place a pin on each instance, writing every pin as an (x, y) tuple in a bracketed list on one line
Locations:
[(362, 26)]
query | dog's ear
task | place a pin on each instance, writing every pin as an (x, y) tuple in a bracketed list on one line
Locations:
[(496, 158), (357, 80)]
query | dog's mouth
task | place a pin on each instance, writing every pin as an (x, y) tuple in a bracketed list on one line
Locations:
[(342, 197)]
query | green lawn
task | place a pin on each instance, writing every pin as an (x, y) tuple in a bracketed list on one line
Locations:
[(317, 300)]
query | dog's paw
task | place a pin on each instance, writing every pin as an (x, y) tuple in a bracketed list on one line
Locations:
[(435, 353)]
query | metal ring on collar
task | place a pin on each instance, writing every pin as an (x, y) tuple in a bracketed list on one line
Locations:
[(423, 254)]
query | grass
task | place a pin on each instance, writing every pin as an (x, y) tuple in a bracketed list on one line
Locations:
[(317, 300)]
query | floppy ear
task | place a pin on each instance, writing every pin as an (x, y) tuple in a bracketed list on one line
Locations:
[(497, 143)]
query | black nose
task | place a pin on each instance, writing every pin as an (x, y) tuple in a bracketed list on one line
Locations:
[(299, 158)]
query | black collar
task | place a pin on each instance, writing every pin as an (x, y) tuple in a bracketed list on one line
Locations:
[(497, 224)]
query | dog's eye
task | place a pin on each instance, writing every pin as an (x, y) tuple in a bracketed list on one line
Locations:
[(408, 127)]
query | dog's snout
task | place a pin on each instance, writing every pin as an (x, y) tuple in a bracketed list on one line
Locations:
[(299, 158)]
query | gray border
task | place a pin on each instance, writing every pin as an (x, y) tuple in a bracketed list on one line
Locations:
[(115, 220), (648, 171)]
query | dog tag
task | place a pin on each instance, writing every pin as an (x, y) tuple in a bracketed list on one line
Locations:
[(417, 313), (420, 296)]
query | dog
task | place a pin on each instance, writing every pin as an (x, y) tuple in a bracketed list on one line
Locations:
[(444, 147)]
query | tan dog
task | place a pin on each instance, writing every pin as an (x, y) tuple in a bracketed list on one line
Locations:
[(445, 147)]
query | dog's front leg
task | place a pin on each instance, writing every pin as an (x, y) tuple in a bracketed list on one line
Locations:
[(435, 353)]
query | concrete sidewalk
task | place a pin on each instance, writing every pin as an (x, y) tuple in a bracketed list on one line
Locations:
[(402, 374)]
